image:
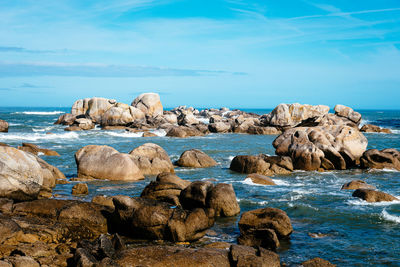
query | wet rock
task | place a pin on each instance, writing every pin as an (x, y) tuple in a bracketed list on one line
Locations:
[(264, 227), (262, 164), (371, 195), (348, 113), (149, 134), (3, 126), (104, 162), (370, 128), (80, 189), (34, 149), (242, 256), (103, 200), (84, 124), (196, 159), (260, 179), (66, 119), (357, 184), (183, 131), (222, 199), (149, 104), (152, 159), (317, 262), (386, 158)]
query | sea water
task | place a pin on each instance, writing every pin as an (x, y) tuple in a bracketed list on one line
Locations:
[(327, 222)]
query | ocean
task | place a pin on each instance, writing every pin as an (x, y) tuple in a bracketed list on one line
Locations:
[(328, 223)]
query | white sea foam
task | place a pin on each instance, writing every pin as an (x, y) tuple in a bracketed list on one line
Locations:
[(14, 124), (40, 112), (363, 122), (291, 205), (38, 136), (203, 120), (45, 129), (125, 134), (360, 202), (281, 182), (395, 131), (393, 218), (248, 181), (160, 132), (230, 158)]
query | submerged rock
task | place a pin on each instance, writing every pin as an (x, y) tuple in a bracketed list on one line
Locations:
[(34, 149), (357, 184), (262, 164), (3, 126), (317, 262), (260, 179), (386, 158), (371, 195), (370, 128), (196, 159)]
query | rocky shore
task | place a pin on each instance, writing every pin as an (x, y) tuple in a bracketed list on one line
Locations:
[(163, 226)]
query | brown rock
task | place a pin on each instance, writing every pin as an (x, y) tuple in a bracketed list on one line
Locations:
[(219, 127), (3, 126), (348, 113), (222, 199), (152, 159), (149, 134), (260, 179), (103, 200), (80, 189), (34, 149), (263, 130), (262, 164), (370, 195), (149, 103), (66, 119), (22, 261), (244, 256), (317, 262), (183, 132), (195, 195), (386, 158), (196, 159), (357, 184), (370, 128)]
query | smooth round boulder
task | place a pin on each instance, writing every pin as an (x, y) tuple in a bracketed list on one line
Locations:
[(357, 184), (260, 179), (195, 158), (149, 104), (104, 162), (222, 199), (3, 126), (372, 196)]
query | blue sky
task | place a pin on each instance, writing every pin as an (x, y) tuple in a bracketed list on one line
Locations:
[(203, 53)]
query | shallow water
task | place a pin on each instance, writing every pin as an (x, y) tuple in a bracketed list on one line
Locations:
[(354, 233)]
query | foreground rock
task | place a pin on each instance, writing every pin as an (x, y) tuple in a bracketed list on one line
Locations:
[(260, 179), (317, 262), (262, 164), (34, 149), (264, 227), (104, 162), (386, 158), (371, 195), (23, 175), (152, 159), (370, 128), (357, 184), (3, 126), (196, 159), (327, 147)]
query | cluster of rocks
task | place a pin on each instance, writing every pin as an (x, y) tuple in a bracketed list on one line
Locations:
[(367, 192)]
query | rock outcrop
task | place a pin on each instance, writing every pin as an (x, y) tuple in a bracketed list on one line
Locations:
[(262, 164), (386, 158), (370, 128), (195, 158), (327, 147), (152, 159), (94, 107), (371, 195), (149, 103), (348, 113), (3, 126), (104, 162), (357, 184), (121, 115)]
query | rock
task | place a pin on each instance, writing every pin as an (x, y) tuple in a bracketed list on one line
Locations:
[(149, 103), (260, 179), (80, 189), (371, 195), (104, 162), (187, 118), (242, 256), (370, 128), (121, 114), (3, 126), (327, 147), (22, 261), (149, 134), (21, 176), (84, 124), (34, 149), (160, 256), (72, 128), (196, 159), (386, 158), (348, 113), (317, 262), (94, 107), (262, 164), (183, 131), (66, 119), (222, 199), (357, 184), (103, 200), (263, 130), (219, 127), (195, 195), (291, 115), (332, 119), (264, 227), (152, 159)]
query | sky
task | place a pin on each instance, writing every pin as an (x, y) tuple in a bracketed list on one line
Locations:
[(201, 53)]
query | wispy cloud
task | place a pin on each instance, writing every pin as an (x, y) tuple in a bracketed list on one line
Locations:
[(99, 70), (25, 50)]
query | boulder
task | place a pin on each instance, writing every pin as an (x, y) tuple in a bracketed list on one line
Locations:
[(104, 201), (171, 118), (152, 159), (80, 189), (262, 164), (371, 195), (357, 184), (50, 173), (260, 179), (219, 127), (291, 115), (84, 124), (263, 130), (187, 118), (195, 195), (317, 262), (94, 107), (327, 147), (3, 126), (222, 199), (183, 131), (386, 158), (104, 162), (370, 128), (348, 113), (264, 227), (149, 134), (149, 103), (242, 256), (196, 159), (34, 149), (332, 119), (121, 115), (66, 119)]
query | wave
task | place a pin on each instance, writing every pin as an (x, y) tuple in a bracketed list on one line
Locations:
[(45, 129), (248, 181), (393, 218), (363, 122), (38, 136), (360, 202), (203, 120), (39, 112), (127, 134)]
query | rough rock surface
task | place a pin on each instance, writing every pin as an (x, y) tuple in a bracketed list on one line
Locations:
[(34, 149), (196, 159), (371, 195), (260, 179), (348, 113), (222, 199), (80, 189), (104, 162), (317, 262), (357, 184), (152, 159), (327, 147), (386, 158), (183, 131), (94, 107), (121, 114), (3, 126), (262, 164), (370, 128), (219, 127), (149, 103)]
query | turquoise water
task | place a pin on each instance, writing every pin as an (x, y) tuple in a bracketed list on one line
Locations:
[(354, 233)]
